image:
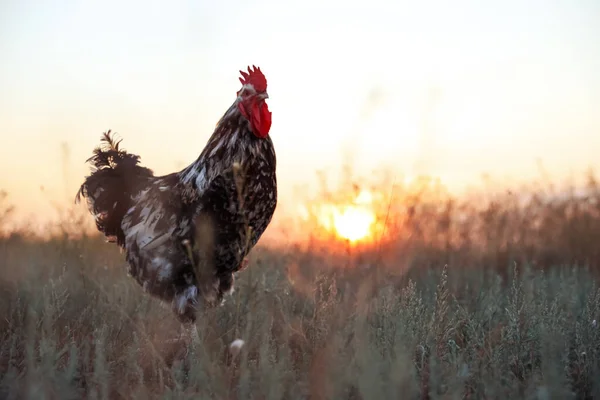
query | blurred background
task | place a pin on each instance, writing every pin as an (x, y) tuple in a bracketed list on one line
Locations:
[(508, 91)]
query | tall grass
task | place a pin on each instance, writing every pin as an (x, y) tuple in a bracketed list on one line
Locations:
[(491, 299), (541, 224)]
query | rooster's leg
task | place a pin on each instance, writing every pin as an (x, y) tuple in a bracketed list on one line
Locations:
[(190, 332), (226, 282), (178, 356), (225, 286), (185, 304)]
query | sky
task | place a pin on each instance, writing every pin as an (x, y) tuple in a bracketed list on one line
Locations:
[(451, 89)]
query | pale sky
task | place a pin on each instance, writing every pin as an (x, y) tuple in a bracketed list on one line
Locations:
[(447, 88)]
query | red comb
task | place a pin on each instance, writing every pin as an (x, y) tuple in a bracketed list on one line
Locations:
[(256, 78)]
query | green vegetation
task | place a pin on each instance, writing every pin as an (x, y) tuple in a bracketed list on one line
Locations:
[(513, 315)]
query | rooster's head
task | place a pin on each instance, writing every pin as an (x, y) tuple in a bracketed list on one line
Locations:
[(251, 101)]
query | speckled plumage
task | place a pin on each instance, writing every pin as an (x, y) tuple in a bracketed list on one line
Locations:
[(215, 210)]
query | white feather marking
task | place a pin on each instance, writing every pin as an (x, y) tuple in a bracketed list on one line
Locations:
[(233, 139), (164, 270), (145, 212), (249, 88), (190, 174), (215, 149), (201, 179), (142, 194), (182, 299)]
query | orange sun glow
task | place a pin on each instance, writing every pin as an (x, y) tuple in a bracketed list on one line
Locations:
[(353, 222)]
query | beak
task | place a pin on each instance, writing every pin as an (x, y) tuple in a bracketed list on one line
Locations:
[(263, 96)]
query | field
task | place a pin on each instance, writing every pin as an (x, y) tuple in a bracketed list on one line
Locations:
[(489, 299)]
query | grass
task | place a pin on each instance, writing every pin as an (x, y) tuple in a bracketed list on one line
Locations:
[(502, 303)]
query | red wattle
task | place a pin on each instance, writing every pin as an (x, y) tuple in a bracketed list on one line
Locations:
[(261, 119)]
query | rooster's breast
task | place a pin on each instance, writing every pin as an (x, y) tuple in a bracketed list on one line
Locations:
[(237, 208)]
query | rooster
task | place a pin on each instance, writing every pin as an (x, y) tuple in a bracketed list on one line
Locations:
[(185, 234)]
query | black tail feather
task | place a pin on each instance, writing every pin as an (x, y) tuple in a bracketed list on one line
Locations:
[(115, 178)]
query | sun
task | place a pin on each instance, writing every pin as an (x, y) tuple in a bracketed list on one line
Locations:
[(353, 222)]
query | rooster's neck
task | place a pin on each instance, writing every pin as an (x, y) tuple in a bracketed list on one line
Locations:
[(232, 141)]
